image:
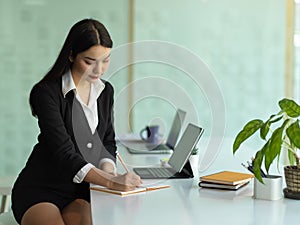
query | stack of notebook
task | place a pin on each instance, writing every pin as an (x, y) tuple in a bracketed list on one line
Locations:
[(228, 180)]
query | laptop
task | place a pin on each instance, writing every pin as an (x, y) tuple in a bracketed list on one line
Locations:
[(179, 164), (168, 147)]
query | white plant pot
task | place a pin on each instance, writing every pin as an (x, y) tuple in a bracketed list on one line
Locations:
[(271, 189)]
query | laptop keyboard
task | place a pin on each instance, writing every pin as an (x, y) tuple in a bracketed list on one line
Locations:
[(160, 172)]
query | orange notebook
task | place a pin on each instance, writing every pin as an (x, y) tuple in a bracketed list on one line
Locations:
[(227, 177), (124, 193)]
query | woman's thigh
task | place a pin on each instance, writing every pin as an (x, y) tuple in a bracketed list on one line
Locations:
[(42, 213), (77, 212)]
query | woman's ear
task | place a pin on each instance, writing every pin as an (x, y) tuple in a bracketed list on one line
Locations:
[(71, 58)]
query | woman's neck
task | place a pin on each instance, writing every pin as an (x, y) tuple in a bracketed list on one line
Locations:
[(83, 88)]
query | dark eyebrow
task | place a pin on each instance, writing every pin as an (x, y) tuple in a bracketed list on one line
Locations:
[(90, 58)]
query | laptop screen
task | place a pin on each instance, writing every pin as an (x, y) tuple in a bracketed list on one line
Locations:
[(175, 128), (185, 146)]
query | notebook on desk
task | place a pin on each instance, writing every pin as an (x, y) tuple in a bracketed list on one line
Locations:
[(179, 163), (168, 147)]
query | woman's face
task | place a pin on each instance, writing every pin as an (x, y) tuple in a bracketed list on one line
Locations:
[(90, 64)]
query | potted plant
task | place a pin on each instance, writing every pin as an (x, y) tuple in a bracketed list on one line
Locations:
[(195, 151), (194, 160), (281, 132)]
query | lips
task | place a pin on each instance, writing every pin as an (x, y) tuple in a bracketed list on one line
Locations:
[(94, 77)]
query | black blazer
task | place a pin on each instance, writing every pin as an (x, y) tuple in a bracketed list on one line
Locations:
[(56, 159)]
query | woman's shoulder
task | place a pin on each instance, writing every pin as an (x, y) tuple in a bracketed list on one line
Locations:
[(43, 93), (49, 86), (42, 88), (108, 86)]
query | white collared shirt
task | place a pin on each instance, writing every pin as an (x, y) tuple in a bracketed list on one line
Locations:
[(90, 112)]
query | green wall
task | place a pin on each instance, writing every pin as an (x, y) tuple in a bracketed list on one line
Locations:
[(31, 35), (240, 41)]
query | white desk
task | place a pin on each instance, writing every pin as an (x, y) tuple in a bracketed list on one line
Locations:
[(185, 204)]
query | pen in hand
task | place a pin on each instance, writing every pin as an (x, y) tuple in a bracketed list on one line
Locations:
[(122, 162), (136, 180)]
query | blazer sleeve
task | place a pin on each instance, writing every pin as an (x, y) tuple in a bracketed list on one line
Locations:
[(109, 141), (54, 138)]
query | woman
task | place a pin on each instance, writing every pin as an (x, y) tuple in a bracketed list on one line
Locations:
[(76, 145)]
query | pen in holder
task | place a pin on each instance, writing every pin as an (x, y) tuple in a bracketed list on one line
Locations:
[(250, 168)]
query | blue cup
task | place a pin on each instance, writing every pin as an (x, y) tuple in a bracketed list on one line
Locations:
[(150, 134)]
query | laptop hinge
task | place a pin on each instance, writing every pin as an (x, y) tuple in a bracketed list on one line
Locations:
[(187, 169)]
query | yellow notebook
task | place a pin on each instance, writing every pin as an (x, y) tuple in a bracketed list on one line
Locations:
[(124, 193), (227, 177)]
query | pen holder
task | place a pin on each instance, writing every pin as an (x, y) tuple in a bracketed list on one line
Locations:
[(271, 189)]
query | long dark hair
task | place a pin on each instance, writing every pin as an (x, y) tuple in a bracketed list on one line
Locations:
[(83, 35)]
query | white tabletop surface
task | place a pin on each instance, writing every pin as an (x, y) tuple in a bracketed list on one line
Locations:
[(185, 203)]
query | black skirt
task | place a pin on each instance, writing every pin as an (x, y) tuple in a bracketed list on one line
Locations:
[(24, 197)]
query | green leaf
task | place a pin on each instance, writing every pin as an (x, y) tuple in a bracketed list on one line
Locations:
[(257, 165), (289, 106), (291, 158), (264, 130), (293, 133), (274, 148), (249, 129), (276, 119)]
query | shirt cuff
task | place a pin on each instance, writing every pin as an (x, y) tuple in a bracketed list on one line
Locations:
[(82, 173), (108, 160)]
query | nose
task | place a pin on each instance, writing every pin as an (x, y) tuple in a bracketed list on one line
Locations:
[(98, 68)]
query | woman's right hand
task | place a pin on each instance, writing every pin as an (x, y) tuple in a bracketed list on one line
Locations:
[(125, 182)]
